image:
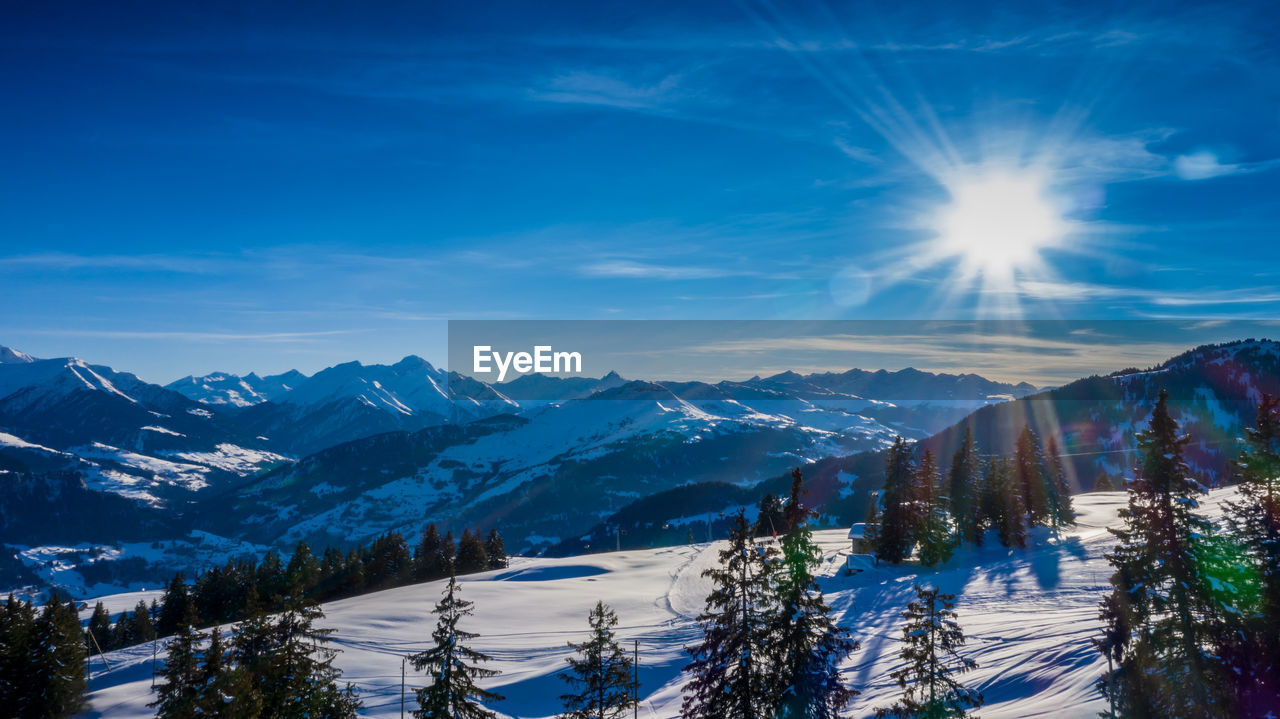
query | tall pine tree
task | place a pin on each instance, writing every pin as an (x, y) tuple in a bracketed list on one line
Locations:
[(899, 517), (1156, 636), (931, 640), (730, 674), (964, 481), (601, 675), (453, 667), (806, 644), (935, 537)]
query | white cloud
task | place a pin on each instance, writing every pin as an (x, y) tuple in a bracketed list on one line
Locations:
[(648, 270), (1203, 165)]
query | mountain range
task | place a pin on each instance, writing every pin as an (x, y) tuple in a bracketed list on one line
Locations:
[(560, 465)]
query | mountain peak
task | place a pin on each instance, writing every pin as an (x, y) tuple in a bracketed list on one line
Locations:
[(12, 356)]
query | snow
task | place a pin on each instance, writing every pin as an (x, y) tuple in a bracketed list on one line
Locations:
[(1028, 615), (9, 440)]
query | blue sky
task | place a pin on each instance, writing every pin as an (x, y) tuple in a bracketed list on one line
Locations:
[(258, 188)]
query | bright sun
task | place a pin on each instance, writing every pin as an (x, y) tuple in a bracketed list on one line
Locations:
[(997, 223)]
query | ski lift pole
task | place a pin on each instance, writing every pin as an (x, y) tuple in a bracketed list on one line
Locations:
[(99, 648), (402, 661), (635, 679)]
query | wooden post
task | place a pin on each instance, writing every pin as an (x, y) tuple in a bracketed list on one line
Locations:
[(635, 678)]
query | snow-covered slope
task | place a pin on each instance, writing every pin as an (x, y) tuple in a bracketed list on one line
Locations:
[(1028, 614)]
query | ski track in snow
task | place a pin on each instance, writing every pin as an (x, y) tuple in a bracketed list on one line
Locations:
[(1028, 616)]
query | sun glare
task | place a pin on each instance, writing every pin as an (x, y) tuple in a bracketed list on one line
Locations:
[(998, 223)]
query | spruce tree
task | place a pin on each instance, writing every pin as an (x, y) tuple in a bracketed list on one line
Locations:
[(601, 673), (1059, 508), (303, 572), (174, 606), (934, 535), (1156, 634), (931, 640), (806, 644), (1255, 519), (18, 659), (180, 689), (1005, 511), (1029, 477), (495, 550), (965, 483), (730, 674), (1103, 483), (432, 557), (899, 516), (769, 522), (452, 666), (98, 631), (471, 555), (59, 676), (301, 681)]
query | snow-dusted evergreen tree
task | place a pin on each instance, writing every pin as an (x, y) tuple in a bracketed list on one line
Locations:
[(935, 538), (805, 643), (931, 641), (179, 691), (899, 517), (301, 681), (1157, 633), (1255, 518), (601, 674), (730, 674), (1061, 512), (769, 520), (964, 482), (452, 667), (1103, 483)]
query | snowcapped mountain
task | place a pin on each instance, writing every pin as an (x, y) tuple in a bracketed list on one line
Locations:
[(1028, 615), (123, 435), (220, 388), (12, 356)]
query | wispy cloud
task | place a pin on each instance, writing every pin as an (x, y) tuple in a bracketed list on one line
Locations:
[(609, 89), (186, 336), (653, 271), (1063, 291)]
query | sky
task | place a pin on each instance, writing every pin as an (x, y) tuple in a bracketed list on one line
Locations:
[(293, 185)]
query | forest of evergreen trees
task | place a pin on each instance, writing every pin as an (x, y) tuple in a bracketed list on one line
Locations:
[(1191, 627), (923, 512)]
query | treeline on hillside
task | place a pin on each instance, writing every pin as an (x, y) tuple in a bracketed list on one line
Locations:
[(925, 511), (233, 591)]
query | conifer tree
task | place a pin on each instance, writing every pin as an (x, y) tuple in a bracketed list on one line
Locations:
[(1059, 508), (806, 644), (174, 606), (495, 550), (730, 672), (431, 559), (1029, 478), (1255, 519), (471, 555), (1157, 636), (1003, 503), (303, 572), (601, 674), (452, 666), (965, 484), (769, 522), (58, 679), (899, 516), (300, 680), (141, 630), (98, 631), (934, 535), (871, 524), (931, 640), (1103, 483), (18, 659), (179, 692)]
